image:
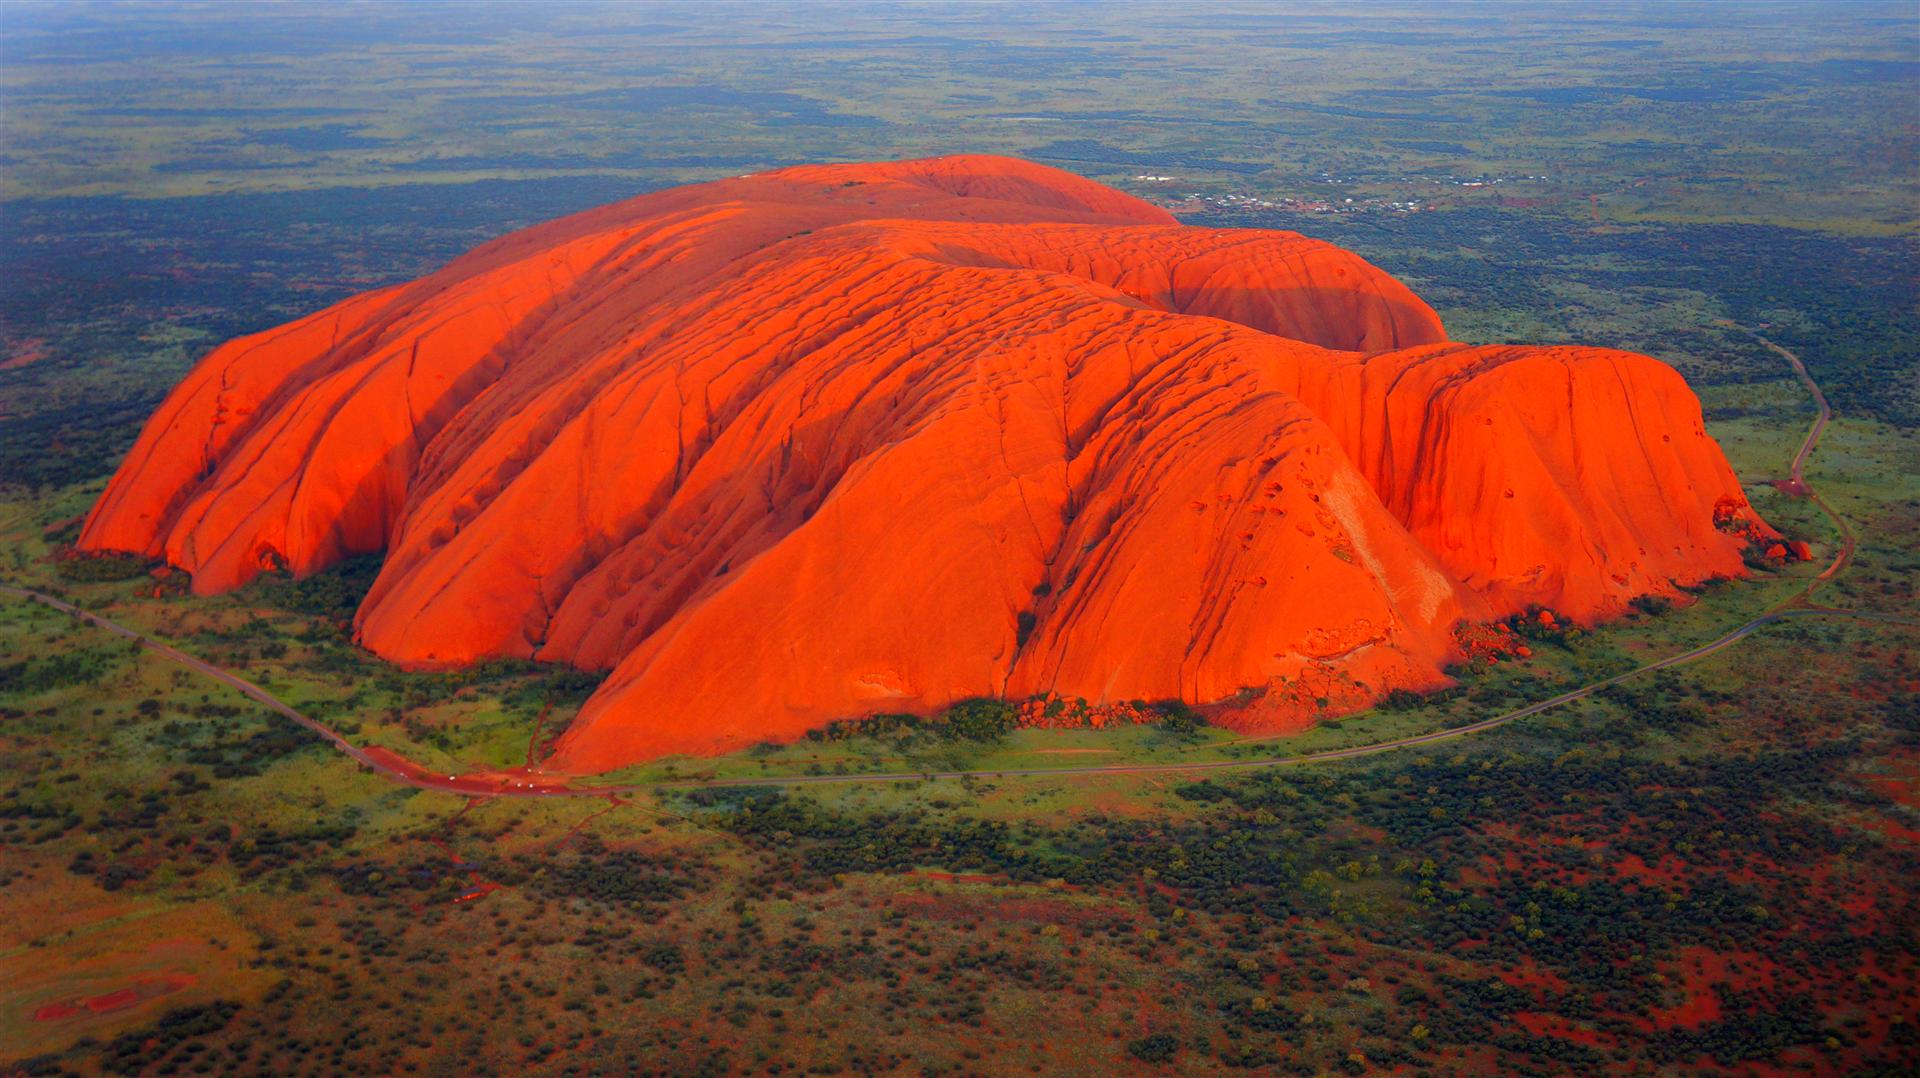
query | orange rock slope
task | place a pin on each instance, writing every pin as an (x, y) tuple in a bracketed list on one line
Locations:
[(849, 438)]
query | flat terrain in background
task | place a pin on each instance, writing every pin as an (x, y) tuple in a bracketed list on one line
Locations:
[(1707, 869)]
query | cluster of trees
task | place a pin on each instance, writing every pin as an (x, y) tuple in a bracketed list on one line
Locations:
[(1277, 846), (177, 1031), (1745, 1034), (1154, 1048), (630, 879), (983, 720), (978, 720), (62, 445), (37, 821), (231, 749), (78, 666), (103, 568), (334, 593), (886, 724), (117, 873)]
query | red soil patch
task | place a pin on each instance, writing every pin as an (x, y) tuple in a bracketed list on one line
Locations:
[(1634, 867), (1902, 786), (60, 525), (119, 999), (1529, 974), (1891, 829), (28, 353), (1490, 868), (1696, 969), (475, 783), (1701, 1006), (478, 891)]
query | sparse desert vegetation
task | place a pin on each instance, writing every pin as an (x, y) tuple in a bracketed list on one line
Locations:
[(1705, 870)]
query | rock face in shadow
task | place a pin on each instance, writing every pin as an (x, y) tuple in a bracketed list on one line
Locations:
[(851, 438)]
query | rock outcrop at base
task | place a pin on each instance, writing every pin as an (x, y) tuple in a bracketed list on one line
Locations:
[(840, 439)]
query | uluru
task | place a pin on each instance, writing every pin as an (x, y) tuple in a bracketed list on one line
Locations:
[(842, 439)]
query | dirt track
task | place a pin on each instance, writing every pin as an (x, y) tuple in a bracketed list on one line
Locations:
[(1796, 472)]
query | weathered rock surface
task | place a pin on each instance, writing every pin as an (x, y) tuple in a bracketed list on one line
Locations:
[(848, 438)]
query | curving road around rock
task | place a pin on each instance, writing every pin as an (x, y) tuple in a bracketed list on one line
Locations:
[(532, 783), (1796, 474)]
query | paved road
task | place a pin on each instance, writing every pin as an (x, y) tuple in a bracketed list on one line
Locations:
[(532, 783)]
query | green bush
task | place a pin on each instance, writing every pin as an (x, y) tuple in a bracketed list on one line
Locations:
[(32, 676), (979, 719), (103, 568), (1177, 718), (1154, 1048), (334, 593)]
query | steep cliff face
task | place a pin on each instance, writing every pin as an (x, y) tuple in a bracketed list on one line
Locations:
[(837, 439)]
